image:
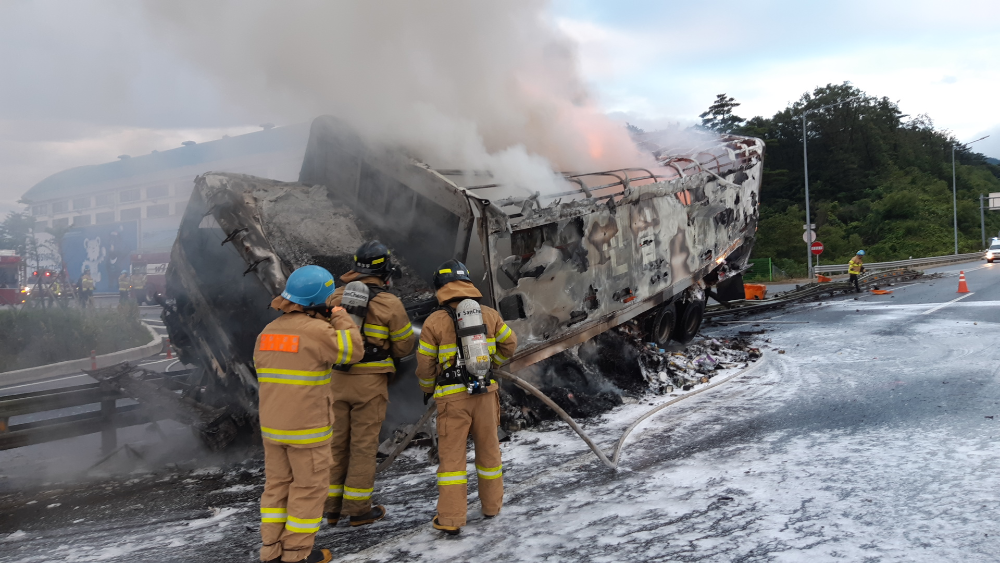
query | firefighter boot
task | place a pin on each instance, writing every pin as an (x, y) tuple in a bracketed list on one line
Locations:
[(332, 518), (450, 530), (374, 515), (318, 556)]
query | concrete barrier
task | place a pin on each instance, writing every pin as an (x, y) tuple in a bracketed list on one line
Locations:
[(40, 373)]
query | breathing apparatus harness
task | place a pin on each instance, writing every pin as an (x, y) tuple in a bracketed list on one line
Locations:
[(471, 367)]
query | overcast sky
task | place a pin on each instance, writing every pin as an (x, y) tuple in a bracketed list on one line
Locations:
[(83, 82)]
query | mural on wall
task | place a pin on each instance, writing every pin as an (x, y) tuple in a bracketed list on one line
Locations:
[(103, 249)]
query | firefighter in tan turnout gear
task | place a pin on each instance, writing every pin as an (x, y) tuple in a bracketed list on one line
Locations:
[(361, 392), (293, 357), (475, 336)]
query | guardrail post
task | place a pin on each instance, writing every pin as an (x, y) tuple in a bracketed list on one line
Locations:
[(109, 434)]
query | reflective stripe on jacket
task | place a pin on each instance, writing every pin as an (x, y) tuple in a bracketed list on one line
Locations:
[(386, 325), (293, 357), (438, 344), (854, 266)]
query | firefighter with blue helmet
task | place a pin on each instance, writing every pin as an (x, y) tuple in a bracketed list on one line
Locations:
[(294, 357), (854, 268)]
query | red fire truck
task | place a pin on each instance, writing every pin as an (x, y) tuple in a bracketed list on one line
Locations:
[(11, 277)]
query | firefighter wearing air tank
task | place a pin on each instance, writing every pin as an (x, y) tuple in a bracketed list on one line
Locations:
[(293, 357), (459, 344), (360, 393)]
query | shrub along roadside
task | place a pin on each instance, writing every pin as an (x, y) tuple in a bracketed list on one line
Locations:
[(35, 337)]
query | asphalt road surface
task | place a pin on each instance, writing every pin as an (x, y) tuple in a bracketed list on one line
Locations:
[(868, 434)]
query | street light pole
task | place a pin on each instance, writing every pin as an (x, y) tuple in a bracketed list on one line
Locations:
[(982, 219), (954, 191), (954, 197), (805, 166)]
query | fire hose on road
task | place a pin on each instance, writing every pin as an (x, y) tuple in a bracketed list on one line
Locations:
[(611, 463)]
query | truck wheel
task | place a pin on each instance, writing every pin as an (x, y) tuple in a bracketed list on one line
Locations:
[(690, 323), (663, 325)]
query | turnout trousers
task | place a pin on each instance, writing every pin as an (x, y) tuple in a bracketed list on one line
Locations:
[(291, 508), (359, 402), (478, 415)]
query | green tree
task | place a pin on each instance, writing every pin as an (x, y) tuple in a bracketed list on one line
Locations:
[(720, 117)]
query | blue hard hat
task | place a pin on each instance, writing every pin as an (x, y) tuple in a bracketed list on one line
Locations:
[(308, 286), (124, 271), (861, 253)]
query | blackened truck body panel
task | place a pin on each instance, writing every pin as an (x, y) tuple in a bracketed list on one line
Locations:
[(561, 267)]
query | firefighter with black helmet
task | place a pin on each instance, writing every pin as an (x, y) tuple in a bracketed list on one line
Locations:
[(459, 345), (361, 391)]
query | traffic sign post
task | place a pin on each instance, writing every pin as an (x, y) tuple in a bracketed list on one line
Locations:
[(816, 247), (809, 236)]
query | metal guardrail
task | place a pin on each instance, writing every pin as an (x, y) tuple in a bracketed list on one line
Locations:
[(808, 291), (105, 419), (914, 263)]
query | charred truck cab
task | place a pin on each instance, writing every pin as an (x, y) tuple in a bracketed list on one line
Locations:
[(561, 268)]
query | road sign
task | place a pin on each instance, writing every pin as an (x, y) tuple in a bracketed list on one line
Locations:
[(993, 202), (811, 226), (809, 236), (816, 248)]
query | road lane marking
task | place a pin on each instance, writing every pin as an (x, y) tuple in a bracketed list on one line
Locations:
[(43, 382), (943, 305), (951, 273)]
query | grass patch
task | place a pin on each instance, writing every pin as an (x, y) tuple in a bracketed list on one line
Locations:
[(35, 337)]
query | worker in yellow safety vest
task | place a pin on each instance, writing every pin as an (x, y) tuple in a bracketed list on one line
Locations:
[(124, 286), (854, 269), (139, 287), (86, 289)]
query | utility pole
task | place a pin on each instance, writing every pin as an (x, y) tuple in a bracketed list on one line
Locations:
[(805, 166), (954, 191), (982, 219)]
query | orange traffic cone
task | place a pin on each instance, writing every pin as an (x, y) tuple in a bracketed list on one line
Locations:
[(962, 288)]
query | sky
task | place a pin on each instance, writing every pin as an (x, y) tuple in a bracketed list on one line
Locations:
[(86, 82)]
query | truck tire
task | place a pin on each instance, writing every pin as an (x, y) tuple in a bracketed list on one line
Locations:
[(690, 321), (663, 325)]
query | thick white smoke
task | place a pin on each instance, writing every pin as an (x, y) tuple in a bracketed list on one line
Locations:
[(460, 83)]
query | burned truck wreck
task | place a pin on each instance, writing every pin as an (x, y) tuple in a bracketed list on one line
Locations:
[(643, 244)]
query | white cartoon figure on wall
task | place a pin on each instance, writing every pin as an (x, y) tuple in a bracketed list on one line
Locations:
[(95, 255)]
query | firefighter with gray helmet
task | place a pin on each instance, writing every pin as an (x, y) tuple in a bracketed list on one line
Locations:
[(459, 345), (361, 391), (294, 357)]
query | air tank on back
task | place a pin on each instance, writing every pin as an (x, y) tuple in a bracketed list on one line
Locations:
[(355, 301), (472, 336)]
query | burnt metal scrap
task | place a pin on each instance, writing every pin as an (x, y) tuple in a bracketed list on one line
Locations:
[(562, 266), (216, 426)]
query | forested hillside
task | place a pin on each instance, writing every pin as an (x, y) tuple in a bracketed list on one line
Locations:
[(878, 180)]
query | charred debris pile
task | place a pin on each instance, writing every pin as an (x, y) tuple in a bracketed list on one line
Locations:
[(616, 367)]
